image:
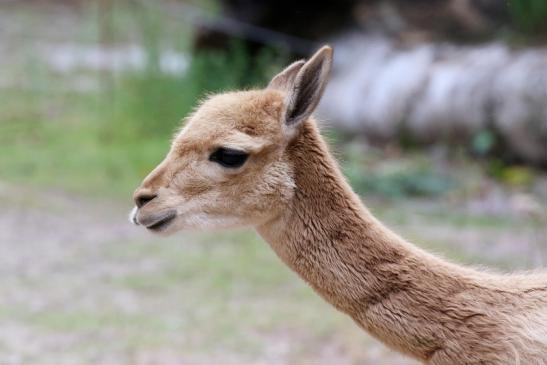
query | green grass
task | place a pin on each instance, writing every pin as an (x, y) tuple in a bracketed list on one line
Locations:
[(74, 154), (530, 16), (413, 174), (106, 142)]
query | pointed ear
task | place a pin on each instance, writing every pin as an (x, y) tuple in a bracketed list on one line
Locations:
[(308, 86), (284, 80)]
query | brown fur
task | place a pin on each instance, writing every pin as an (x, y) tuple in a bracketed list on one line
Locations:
[(292, 191)]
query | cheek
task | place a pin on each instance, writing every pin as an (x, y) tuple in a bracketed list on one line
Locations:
[(205, 189), (279, 182), (271, 191)]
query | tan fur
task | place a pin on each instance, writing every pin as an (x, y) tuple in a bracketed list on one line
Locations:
[(291, 190)]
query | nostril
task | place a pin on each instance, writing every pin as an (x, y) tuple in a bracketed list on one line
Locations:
[(142, 199)]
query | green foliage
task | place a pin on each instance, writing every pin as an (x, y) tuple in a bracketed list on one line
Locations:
[(395, 178), (483, 142), (106, 141), (529, 16), (153, 102), (511, 175)]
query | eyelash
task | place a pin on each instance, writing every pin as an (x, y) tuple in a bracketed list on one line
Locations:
[(228, 157)]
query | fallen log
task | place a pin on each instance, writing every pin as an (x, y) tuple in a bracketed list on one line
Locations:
[(437, 92)]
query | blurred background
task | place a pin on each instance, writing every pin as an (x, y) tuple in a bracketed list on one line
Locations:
[(437, 110)]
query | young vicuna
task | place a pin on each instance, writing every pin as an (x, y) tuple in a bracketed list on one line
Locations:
[(256, 158)]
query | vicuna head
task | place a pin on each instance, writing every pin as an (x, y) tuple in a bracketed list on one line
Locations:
[(229, 166)]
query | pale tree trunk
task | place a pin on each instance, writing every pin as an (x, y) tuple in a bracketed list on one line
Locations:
[(437, 92)]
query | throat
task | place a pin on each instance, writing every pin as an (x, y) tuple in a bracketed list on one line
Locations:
[(327, 236), (348, 257)]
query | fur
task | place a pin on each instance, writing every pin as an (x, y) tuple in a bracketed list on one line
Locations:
[(292, 191)]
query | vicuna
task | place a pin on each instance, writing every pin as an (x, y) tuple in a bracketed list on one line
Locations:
[(256, 158)]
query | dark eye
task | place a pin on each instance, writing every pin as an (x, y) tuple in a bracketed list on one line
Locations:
[(228, 157)]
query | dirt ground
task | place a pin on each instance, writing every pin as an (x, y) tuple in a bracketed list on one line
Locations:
[(80, 285)]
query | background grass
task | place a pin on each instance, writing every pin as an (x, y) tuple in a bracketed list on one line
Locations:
[(81, 286), (529, 16), (102, 131), (107, 140)]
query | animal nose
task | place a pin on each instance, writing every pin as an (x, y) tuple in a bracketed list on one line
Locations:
[(142, 198)]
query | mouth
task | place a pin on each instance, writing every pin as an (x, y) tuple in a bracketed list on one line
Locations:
[(161, 222)]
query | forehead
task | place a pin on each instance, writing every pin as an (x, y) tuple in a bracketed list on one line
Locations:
[(254, 113)]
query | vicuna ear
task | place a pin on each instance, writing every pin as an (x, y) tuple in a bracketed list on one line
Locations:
[(284, 80), (305, 88)]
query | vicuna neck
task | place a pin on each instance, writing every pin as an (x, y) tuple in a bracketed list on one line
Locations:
[(332, 241)]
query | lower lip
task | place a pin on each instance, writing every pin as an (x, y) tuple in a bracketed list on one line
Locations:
[(162, 224)]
